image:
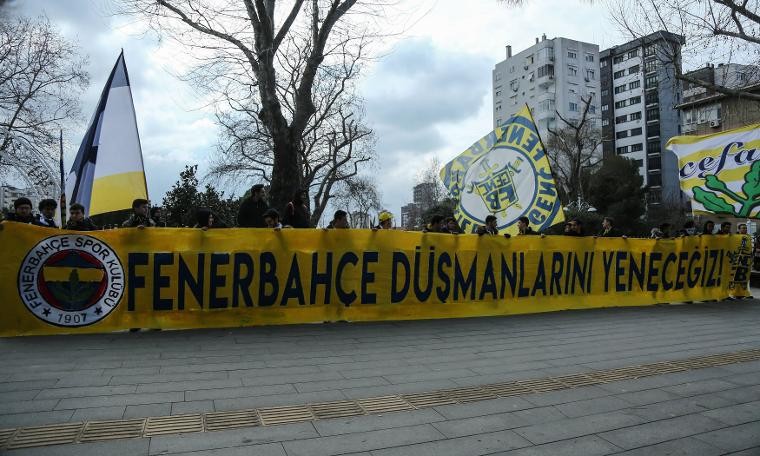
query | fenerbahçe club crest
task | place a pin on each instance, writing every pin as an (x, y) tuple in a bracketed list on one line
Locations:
[(505, 174), (71, 280)]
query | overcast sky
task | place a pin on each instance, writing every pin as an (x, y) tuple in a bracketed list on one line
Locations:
[(429, 96)]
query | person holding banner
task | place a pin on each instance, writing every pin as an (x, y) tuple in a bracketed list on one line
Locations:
[(708, 227), (77, 221), (205, 219), (490, 227), (139, 218), (22, 211), (386, 221), (272, 219), (46, 217), (725, 228), (339, 221)]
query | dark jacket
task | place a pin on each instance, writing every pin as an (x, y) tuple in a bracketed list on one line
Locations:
[(251, 213), (528, 232), (136, 220), (486, 230), (296, 216), (611, 233), (84, 225), (42, 221), (13, 217)]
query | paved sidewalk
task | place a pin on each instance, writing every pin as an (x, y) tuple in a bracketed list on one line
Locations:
[(705, 411)]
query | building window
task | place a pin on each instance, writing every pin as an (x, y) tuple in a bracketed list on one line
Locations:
[(652, 97), (498, 93), (651, 81), (639, 163), (589, 57), (546, 70), (514, 85), (621, 104), (512, 69), (498, 107), (618, 59), (633, 53), (603, 64), (590, 74), (592, 109), (653, 114), (620, 89), (635, 131), (637, 148), (655, 163), (634, 100), (649, 50), (633, 70), (621, 134), (572, 55), (605, 122), (653, 147), (497, 76), (621, 119), (572, 71), (653, 130), (605, 92), (650, 66), (605, 107), (636, 116), (573, 107), (655, 179), (529, 60), (634, 85), (618, 74), (622, 150)]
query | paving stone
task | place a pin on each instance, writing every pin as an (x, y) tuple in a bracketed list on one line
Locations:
[(735, 438), (661, 431), (243, 391), (80, 381), (680, 447), (741, 394), (24, 385), (277, 400), (592, 406), (243, 437), (362, 441), (736, 414), (291, 378), (28, 406), (35, 418), (577, 427), (119, 399), (431, 375), (679, 407), (348, 425), (479, 408), (147, 410), (188, 385), (127, 447), (180, 408), (15, 396), (98, 413), (566, 395), (265, 449), (700, 387), (647, 396), (497, 422), (87, 391), (401, 388), (163, 378), (585, 446), (340, 384), (472, 445)]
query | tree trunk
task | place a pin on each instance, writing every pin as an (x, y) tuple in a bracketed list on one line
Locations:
[(286, 177)]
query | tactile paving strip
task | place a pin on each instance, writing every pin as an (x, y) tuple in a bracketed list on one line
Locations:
[(270, 416)]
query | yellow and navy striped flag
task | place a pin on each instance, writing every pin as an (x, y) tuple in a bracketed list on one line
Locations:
[(108, 172), (505, 174), (721, 172)]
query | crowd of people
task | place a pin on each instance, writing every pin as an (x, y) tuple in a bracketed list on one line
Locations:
[(254, 212)]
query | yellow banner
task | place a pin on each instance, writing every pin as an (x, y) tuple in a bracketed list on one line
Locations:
[(54, 282)]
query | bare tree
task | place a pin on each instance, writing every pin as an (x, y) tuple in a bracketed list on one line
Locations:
[(334, 147), (574, 148), (270, 63), (360, 198), (41, 78), (429, 190), (724, 31)]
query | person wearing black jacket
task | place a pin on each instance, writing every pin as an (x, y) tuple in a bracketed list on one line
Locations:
[(77, 221), (46, 217), (22, 212), (252, 209), (296, 213), (139, 218), (608, 229), (205, 219), (523, 227), (489, 228)]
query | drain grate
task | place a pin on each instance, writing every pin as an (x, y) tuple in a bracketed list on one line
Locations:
[(56, 434), (216, 421), (285, 415), (109, 430), (175, 424), (270, 416), (336, 409)]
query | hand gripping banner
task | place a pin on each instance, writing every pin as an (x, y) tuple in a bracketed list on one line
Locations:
[(55, 282)]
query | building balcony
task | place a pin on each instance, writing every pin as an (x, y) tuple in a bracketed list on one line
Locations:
[(545, 81)]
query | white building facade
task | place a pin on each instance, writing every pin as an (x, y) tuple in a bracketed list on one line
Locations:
[(552, 76)]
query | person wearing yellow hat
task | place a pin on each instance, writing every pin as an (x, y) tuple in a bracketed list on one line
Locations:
[(386, 221)]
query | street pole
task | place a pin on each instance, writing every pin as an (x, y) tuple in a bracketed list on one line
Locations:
[(63, 182)]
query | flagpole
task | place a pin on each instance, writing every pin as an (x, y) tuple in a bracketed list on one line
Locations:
[(63, 183)]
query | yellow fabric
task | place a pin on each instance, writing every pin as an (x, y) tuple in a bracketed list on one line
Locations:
[(117, 191), (505, 174), (63, 274), (189, 278)]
